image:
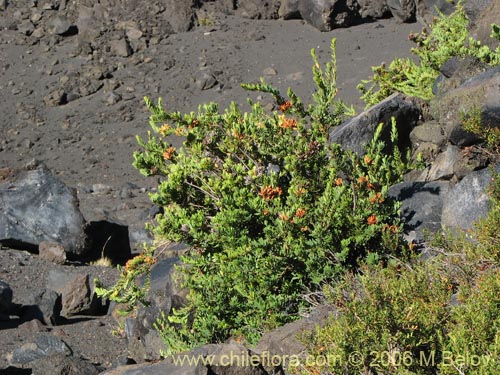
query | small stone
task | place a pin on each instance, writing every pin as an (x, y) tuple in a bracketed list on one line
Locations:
[(60, 26), (270, 71), (52, 252), (205, 81), (101, 189), (26, 28), (120, 47), (35, 17), (112, 98), (134, 34), (44, 345), (38, 33)]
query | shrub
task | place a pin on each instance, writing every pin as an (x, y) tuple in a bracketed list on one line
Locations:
[(448, 37), (434, 316), (270, 209)]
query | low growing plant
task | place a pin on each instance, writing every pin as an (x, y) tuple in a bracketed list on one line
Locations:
[(270, 209), (448, 36), (434, 316)]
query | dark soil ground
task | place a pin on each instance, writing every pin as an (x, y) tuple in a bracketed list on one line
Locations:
[(90, 141)]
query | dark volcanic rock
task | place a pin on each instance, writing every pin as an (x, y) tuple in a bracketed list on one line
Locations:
[(261, 9), (326, 15), (355, 133), (37, 207), (164, 294), (421, 206), (52, 252), (285, 340), (5, 298), (46, 308), (373, 9), (61, 364), (44, 345), (228, 359), (403, 10), (75, 291), (181, 14), (467, 201), (478, 96)]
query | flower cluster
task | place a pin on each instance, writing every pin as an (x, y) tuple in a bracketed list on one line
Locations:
[(268, 192)]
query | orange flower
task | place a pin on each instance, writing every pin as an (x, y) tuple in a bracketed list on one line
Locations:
[(372, 219), (194, 123), (339, 181), (164, 129), (363, 179), (285, 106), (283, 216), (377, 198), (265, 212), (300, 213), (128, 265), (238, 136), (168, 153), (288, 123), (268, 192), (300, 191), (368, 160)]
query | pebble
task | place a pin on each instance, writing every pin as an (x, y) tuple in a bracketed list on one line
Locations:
[(270, 71)]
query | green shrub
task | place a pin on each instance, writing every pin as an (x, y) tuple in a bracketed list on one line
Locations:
[(434, 316), (388, 318), (448, 37), (269, 208)]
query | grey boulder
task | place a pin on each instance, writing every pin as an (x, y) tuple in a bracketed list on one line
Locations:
[(36, 206)]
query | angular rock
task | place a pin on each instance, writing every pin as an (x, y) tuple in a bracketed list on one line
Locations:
[(227, 359), (121, 47), (478, 96), (455, 71), (355, 133), (44, 345), (52, 252), (326, 15), (421, 206), (61, 364), (428, 132), (285, 339), (467, 201), (165, 293), (74, 288), (36, 207), (26, 27), (289, 9), (258, 9), (483, 13), (181, 14), (445, 165), (427, 10), (46, 308), (205, 80), (373, 9), (402, 10), (5, 298), (60, 25)]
